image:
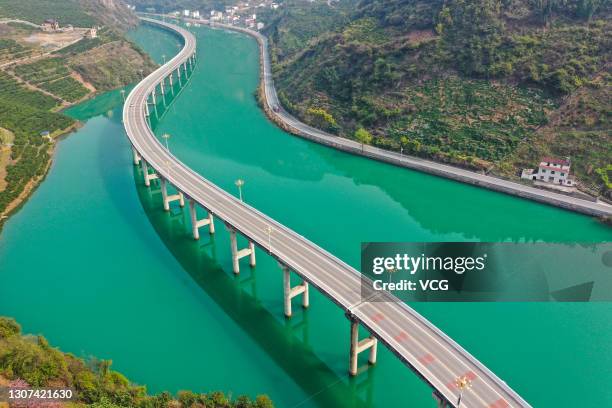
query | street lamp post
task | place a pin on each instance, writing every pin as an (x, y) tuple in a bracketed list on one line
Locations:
[(123, 94), (239, 183), (463, 383), (166, 136), (391, 271)]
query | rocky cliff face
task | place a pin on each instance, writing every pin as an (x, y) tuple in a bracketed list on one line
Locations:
[(113, 13)]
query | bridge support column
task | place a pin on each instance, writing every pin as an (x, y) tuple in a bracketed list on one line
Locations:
[(161, 86), (145, 172), (441, 402), (153, 98), (178, 74), (136, 156), (290, 293), (170, 78), (147, 109), (238, 254), (170, 198), (196, 224), (359, 346)]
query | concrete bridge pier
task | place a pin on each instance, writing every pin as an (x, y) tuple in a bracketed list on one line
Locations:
[(136, 156), (161, 86), (170, 78), (290, 293), (178, 74), (147, 113), (440, 401), (358, 346), (196, 224), (170, 198), (145, 172), (239, 254), (153, 98)]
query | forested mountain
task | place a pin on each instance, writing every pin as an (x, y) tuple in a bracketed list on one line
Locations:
[(485, 84)]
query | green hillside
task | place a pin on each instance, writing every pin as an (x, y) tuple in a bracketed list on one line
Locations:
[(79, 13), (476, 83), (33, 89), (36, 11)]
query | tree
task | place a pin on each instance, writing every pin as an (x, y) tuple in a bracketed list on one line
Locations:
[(8, 328), (364, 137), (322, 119), (404, 142), (469, 98), (471, 33), (586, 8), (263, 401)]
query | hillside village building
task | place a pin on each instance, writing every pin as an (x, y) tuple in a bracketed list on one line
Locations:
[(50, 25), (551, 170)]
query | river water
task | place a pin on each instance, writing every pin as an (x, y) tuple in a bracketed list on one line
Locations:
[(94, 263)]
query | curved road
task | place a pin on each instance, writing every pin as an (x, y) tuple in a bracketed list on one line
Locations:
[(435, 357), (427, 166)]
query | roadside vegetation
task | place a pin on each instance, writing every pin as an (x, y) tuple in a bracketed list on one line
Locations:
[(487, 84), (29, 361)]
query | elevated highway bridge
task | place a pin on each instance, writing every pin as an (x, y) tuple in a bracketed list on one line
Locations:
[(430, 353)]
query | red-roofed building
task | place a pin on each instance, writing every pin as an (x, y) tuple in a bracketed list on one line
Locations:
[(551, 170)]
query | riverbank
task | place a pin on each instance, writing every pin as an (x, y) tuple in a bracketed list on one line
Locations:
[(32, 184), (289, 123), (32, 106), (275, 112), (90, 381)]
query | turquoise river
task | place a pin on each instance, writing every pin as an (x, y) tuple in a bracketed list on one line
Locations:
[(94, 263)]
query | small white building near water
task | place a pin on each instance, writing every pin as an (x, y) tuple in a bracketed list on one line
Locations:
[(216, 16), (551, 170), (186, 13)]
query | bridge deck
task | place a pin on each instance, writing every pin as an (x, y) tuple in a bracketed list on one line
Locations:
[(427, 350)]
